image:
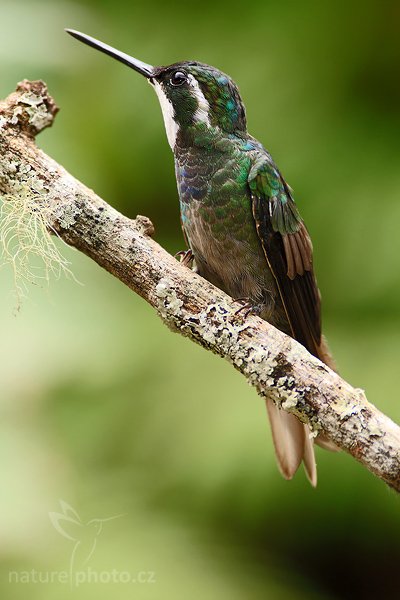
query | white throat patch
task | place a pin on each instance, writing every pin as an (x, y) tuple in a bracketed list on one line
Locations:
[(171, 126)]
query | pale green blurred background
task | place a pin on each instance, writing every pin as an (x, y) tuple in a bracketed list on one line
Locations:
[(104, 408)]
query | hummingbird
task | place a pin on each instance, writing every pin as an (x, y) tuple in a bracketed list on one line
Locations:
[(239, 220)]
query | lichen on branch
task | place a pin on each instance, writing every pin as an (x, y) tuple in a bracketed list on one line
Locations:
[(26, 243)]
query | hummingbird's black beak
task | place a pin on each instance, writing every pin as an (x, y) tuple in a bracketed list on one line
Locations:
[(134, 63)]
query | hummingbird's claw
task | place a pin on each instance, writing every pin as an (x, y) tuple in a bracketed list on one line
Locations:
[(248, 307), (185, 257)]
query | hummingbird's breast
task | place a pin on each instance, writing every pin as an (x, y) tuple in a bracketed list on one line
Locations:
[(218, 222)]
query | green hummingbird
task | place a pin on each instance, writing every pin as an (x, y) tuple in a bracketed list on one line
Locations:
[(239, 219)]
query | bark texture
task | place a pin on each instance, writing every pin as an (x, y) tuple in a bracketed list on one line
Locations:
[(275, 364)]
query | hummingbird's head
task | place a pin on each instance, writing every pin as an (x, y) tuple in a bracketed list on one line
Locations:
[(190, 93)]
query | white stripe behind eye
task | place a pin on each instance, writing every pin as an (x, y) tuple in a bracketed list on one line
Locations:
[(171, 126), (203, 109)]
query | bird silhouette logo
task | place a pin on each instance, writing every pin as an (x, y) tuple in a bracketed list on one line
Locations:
[(83, 534)]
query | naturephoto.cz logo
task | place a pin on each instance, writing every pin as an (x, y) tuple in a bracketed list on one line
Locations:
[(83, 536)]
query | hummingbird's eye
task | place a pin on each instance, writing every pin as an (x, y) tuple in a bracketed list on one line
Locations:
[(178, 78)]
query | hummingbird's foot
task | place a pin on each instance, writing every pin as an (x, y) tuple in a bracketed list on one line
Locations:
[(248, 307), (185, 257)]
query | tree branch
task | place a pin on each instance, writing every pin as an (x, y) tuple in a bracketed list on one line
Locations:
[(275, 364)]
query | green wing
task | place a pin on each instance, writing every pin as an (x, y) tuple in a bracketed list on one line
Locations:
[(288, 249)]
